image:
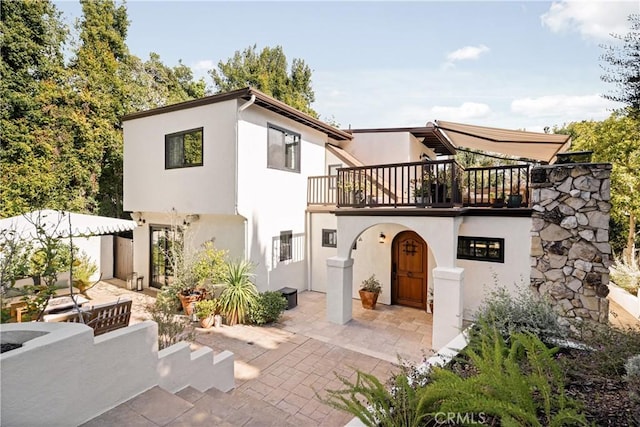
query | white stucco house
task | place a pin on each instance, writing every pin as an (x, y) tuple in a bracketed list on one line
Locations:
[(319, 208)]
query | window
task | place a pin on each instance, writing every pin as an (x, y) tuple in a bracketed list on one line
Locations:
[(283, 149), (183, 149), (329, 238), (286, 238), (481, 249)]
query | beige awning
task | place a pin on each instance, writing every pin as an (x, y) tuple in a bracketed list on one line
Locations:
[(527, 145)]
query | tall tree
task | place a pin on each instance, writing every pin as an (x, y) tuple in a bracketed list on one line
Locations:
[(624, 68), (268, 72), (100, 73), (153, 84), (33, 88), (616, 140)]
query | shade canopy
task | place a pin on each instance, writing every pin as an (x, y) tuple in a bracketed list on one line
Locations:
[(63, 224), (542, 147)]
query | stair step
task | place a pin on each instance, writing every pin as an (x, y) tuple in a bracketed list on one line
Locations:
[(190, 394), (154, 407), (190, 407)]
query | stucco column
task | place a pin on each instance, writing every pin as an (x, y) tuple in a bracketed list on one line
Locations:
[(339, 289), (447, 310)]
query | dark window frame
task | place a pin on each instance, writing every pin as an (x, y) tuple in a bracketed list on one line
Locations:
[(286, 245), (297, 153), (184, 164), (327, 240), (479, 249)]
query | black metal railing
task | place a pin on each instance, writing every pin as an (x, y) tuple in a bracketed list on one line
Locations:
[(441, 183), (400, 184), (496, 186)]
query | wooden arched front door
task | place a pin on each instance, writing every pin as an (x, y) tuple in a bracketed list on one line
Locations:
[(409, 270)]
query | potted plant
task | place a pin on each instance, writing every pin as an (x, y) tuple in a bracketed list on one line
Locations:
[(369, 292), (421, 191), (514, 200), (206, 310), (239, 293), (498, 202)]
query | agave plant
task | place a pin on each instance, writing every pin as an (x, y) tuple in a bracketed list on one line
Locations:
[(239, 292)]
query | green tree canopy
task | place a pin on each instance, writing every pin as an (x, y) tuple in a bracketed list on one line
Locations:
[(616, 140), (33, 82), (268, 72)]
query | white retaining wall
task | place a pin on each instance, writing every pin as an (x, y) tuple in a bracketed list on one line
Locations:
[(63, 376)]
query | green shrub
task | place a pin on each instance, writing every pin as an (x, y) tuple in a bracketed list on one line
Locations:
[(207, 307), (172, 327), (83, 269), (512, 384), (267, 308), (521, 312), (239, 293)]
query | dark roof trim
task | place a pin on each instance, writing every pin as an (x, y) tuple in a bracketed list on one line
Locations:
[(262, 100)]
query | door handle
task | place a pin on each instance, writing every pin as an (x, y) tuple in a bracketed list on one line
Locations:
[(409, 274)]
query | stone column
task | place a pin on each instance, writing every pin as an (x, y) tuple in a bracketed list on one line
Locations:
[(339, 289), (447, 314), (570, 250)]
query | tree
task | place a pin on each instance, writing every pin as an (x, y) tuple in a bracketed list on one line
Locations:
[(267, 71), (99, 71), (33, 83), (624, 68), (154, 84), (615, 140)]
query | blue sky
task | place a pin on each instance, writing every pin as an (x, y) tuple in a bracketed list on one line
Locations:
[(520, 65)]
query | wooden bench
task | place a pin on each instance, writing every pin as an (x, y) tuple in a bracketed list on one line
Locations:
[(102, 318)]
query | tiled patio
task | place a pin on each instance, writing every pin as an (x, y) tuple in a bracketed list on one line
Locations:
[(286, 366)]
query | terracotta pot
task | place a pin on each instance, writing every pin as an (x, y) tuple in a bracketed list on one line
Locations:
[(188, 301), (369, 299), (207, 322)]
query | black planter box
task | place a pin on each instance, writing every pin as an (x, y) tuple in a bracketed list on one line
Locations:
[(291, 295)]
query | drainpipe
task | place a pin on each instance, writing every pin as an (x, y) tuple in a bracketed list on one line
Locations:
[(235, 208)]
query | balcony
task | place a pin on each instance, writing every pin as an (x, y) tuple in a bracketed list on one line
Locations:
[(437, 184)]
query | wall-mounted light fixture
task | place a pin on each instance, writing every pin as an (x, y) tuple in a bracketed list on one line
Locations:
[(137, 217), (382, 237), (189, 219)]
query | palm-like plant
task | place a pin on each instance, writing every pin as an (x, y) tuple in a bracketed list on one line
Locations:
[(239, 292)]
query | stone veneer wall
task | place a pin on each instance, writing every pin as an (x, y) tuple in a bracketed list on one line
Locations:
[(570, 250)]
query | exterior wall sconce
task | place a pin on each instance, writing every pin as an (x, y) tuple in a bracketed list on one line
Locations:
[(382, 238), (189, 219), (137, 217)]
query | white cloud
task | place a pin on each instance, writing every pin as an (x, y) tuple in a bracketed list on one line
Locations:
[(467, 52), (203, 65), (592, 19), (571, 108)]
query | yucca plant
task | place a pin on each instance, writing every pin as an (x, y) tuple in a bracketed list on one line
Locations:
[(239, 292)]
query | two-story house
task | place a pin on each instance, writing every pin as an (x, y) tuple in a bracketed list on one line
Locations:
[(319, 208)]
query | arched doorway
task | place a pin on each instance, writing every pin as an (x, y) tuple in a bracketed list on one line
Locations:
[(409, 270)]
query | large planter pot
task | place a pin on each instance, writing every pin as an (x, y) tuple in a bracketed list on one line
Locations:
[(369, 299), (514, 201), (189, 298), (207, 322)]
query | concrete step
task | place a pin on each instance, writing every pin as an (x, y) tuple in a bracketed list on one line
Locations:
[(154, 407), (190, 407)]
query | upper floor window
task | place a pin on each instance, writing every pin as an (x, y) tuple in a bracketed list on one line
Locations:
[(481, 248), (283, 149), (183, 149)]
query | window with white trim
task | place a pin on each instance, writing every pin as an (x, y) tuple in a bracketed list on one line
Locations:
[(329, 238)]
